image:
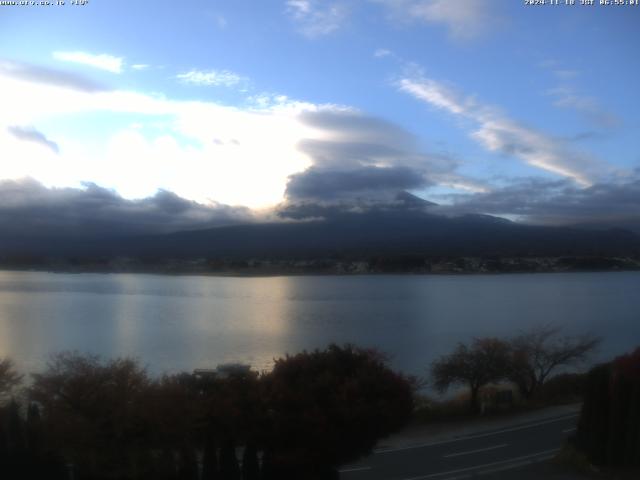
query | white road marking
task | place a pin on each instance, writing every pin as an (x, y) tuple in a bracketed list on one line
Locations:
[(567, 430), (480, 435), (354, 469), (469, 452), (517, 461)]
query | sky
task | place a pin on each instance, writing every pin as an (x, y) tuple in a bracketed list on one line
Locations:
[(203, 112)]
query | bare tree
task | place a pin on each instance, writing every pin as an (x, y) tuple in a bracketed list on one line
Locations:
[(485, 361), (9, 378), (539, 351)]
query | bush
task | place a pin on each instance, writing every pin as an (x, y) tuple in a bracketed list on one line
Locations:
[(609, 426), (330, 407), (563, 388)]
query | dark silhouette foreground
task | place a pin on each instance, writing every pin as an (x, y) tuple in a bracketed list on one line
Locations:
[(609, 426), (85, 418)]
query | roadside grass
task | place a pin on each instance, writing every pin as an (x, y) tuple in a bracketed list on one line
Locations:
[(562, 389)]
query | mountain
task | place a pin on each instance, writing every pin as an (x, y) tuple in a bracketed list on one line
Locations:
[(366, 234), (404, 227)]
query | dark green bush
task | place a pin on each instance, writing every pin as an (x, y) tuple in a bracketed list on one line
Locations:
[(609, 426)]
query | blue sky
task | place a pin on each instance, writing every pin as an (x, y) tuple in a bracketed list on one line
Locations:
[(515, 110)]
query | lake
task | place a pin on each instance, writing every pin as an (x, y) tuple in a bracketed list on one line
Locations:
[(174, 323)]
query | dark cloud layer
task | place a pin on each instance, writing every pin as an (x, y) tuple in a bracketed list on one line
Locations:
[(30, 134), (613, 204), (29, 208), (363, 158), (401, 204), (321, 184)]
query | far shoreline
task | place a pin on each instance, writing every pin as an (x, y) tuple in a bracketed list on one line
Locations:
[(291, 268)]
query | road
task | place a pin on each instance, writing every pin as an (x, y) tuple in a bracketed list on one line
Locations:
[(462, 457)]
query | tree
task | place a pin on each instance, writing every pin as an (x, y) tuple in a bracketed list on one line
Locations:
[(92, 411), (329, 407), (485, 361), (540, 351), (9, 379)]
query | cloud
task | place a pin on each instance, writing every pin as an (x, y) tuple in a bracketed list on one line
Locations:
[(382, 52), (234, 155), (354, 126), (558, 70), (360, 157), (464, 19), (215, 78), (29, 208), (436, 94), (241, 155), (48, 76), (324, 184), (499, 133), (105, 62), (567, 96), (140, 66), (615, 203), (315, 18), (30, 134), (588, 107)]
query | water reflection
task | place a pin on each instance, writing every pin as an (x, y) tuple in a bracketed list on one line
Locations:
[(180, 323)]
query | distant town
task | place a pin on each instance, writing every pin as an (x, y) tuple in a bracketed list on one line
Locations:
[(403, 264)]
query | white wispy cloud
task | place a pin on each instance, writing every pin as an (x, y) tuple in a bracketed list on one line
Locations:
[(465, 19), (588, 107), (382, 52), (102, 61), (315, 17), (567, 95), (216, 78), (498, 133), (140, 66)]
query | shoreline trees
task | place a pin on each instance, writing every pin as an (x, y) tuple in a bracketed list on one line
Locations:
[(541, 350), (526, 361), (485, 361)]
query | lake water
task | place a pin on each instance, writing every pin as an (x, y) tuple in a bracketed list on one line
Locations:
[(176, 323)]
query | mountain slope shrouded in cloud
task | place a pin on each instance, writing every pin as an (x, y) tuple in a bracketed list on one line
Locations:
[(96, 223), (28, 209)]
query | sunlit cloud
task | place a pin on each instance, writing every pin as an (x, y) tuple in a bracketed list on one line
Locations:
[(498, 133), (214, 78), (103, 62), (205, 151)]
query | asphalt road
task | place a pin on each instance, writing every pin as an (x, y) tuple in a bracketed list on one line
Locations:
[(462, 457)]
